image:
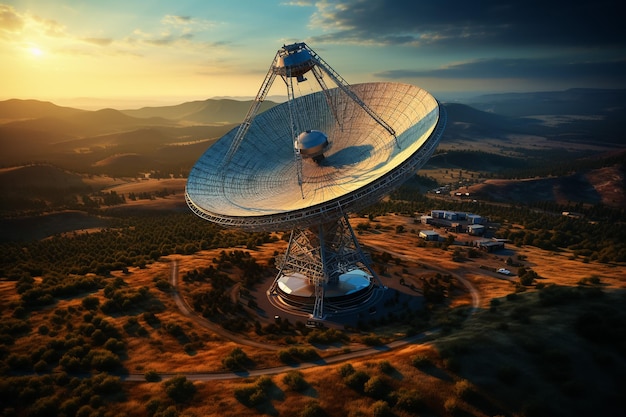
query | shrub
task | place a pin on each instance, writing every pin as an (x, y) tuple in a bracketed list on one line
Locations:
[(451, 405), (375, 387), (70, 407), (296, 354), (312, 409), (325, 336), (236, 360), (409, 400), (107, 384), (385, 367), (357, 380), (381, 409), (179, 389), (346, 369), (41, 366), (421, 361), (153, 406), (372, 340), (152, 376), (295, 381), (463, 389), (85, 411), (103, 360), (254, 394), (91, 303)]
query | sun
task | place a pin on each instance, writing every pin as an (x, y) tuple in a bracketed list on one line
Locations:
[(35, 51)]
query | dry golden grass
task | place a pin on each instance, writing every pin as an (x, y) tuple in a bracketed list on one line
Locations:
[(437, 383)]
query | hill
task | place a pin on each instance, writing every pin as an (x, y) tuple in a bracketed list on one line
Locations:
[(590, 113), (15, 109), (44, 176), (487, 137), (574, 101), (207, 111)]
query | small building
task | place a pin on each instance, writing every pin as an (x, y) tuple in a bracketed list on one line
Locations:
[(450, 215), (437, 214), (461, 215), (476, 229), (475, 219), (426, 219), (429, 235), (490, 245), (573, 214)]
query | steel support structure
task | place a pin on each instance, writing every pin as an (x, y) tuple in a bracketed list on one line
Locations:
[(315, 64), (321, 254)]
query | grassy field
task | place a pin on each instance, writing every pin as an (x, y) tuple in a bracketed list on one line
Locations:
[(521, 354)]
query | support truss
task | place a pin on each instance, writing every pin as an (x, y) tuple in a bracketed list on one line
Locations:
[(317, 65), (321, 254)]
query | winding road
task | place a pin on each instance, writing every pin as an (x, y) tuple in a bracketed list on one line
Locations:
[(188, 312)]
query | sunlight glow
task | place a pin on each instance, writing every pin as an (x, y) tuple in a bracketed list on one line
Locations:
[(35, 51)]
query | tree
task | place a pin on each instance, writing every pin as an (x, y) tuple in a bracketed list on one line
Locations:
[(312, 409), (375, 387), (179, 389), (295, 381)]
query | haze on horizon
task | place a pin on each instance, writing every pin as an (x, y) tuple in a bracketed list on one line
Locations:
[(155, 53)]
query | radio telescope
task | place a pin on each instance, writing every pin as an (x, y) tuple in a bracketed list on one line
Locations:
[(305, 164)]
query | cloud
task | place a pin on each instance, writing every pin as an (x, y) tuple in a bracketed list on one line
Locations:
[(464, 23), (20, 27), (99, 41), (177, 20), (546, 69), (14, 24), (10, 20), (170, 40), (301, 3), (50, 27)]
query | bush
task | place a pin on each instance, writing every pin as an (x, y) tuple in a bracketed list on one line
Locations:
[(385, 367), (254, 394), (325, 336), (409, 400), (372, 340), (421, 361), (346, 369), (451, 405), (376, 387), (381, 409), (236, 360), (104, 360), (295, 381), (312, 409), (295, 354), (107, 384), (179, 389), (91, 303), (357, 380), (85, 411), (152, 376), (463, 389)]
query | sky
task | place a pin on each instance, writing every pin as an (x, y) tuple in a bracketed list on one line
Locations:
[(141, 52)]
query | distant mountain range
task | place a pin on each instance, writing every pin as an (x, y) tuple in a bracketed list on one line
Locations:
[(171, 138), (206, 111), (575, 101)]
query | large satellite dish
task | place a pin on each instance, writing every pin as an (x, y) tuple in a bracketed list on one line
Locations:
[(305, 164)]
